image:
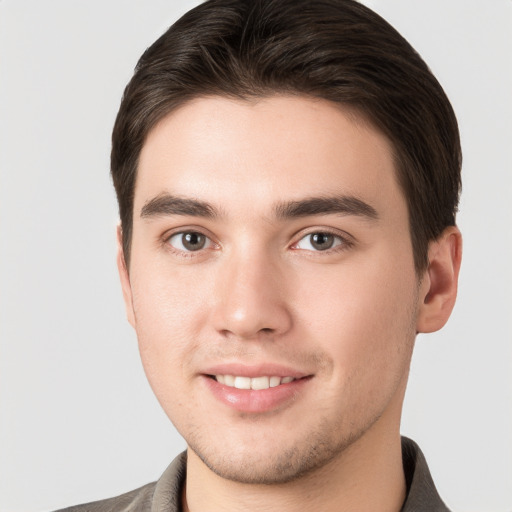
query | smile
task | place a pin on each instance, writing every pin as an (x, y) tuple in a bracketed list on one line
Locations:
[(255, 383), (254, 389)]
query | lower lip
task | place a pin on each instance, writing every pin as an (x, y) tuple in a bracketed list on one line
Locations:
[(256, 401)]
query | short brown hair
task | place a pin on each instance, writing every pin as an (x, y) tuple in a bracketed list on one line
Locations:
[(337, 50)]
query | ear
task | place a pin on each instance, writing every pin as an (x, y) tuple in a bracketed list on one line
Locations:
[(438, 288), (124, 276)]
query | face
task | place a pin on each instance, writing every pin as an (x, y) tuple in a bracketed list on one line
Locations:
[(272, 282)]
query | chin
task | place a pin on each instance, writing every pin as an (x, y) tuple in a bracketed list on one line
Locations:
[(273, 464)]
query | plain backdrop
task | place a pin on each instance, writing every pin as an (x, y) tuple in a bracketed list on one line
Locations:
[(78, 421)]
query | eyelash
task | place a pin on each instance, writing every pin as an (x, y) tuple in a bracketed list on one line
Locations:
[(344, 242), (184, 253)]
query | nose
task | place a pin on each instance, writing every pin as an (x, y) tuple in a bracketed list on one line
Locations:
[(252, 298)]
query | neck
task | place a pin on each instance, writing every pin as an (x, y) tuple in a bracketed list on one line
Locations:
[(367, 476)]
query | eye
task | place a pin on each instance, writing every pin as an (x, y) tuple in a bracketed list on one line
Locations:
[(319, 241), (189, 241)]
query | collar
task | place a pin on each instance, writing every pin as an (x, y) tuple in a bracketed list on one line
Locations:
[(421, 492)]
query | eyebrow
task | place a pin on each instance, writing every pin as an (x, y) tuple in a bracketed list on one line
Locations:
[(344, 205), (167, 204)]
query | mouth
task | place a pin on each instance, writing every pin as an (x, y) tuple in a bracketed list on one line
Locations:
[(256, 389), (254, 383)]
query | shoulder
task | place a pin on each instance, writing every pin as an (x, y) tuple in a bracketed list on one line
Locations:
[(165, 494), (138, 500)]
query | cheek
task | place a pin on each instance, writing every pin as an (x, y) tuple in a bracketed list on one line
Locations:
[(164, 296), (362, 316), (170, 311)]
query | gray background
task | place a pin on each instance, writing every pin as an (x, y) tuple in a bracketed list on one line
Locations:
[(78, 421)]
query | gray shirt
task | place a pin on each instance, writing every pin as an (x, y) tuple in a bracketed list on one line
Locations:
[(165, 494)]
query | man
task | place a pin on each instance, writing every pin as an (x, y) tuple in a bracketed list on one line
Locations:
[(288, 174)]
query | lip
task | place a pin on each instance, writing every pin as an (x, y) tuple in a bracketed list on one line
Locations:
[(256, 401)]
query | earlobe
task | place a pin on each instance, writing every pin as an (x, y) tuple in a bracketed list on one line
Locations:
[(125, 278), (438, 289)]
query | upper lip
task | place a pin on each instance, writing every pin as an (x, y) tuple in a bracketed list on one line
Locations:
[(254, 370)]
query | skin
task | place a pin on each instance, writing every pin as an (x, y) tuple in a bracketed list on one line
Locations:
[(260, 293)]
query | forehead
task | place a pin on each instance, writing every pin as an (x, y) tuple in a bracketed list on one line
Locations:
[(270, 149)]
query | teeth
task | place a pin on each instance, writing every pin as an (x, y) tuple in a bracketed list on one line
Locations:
[(275, 381), (242, 382), (260, 383), (256, 383)]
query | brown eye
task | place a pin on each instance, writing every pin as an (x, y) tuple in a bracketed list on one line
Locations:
[(189, 241), (320, 241)]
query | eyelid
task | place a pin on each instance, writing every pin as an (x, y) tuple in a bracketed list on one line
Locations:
[(179, 235), (347, 240), (166, 237)]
